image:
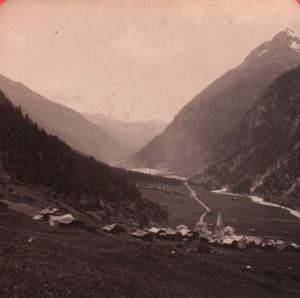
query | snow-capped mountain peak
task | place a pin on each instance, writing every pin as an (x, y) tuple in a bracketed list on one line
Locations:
[(294, 42), (286, 36), (291, 33)]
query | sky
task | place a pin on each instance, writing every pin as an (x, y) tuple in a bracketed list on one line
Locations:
[(132, 59)]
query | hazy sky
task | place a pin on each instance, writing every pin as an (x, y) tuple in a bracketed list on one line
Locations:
[(132, 59)]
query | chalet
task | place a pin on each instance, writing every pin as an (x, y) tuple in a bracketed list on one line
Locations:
[(145, 236), (229, 230), (169, 234), (114, 229), (154, 231), (45, 214), (187, 235), (201, 226), (180, 227), (62, 220), (229, 243), (48, 210), (240, 239), (184, 232), (253, 242), (214, 241), (39, 217), (292, 247), (267, 245), (76, 224), (278, 244)]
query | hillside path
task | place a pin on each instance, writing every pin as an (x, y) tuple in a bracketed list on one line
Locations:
[(194, 195)]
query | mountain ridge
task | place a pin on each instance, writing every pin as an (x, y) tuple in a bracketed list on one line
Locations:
[(185, 143), (62, 121), (29, 155), (262, 154), (132, 135)]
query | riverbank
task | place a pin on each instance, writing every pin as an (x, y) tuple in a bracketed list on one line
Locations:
[(259, 200)]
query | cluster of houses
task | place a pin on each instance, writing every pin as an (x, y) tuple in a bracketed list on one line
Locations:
[(226, 237), (181, 233), (222, 236), (160, 188), (57, 217)]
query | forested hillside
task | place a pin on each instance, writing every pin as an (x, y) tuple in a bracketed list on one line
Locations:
[(28, 154), (69, 125), (262, 154)]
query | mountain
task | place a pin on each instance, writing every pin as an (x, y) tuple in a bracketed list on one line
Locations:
[(132, 135), (184, 145), (262, 154), (30, 156), (63, 122)]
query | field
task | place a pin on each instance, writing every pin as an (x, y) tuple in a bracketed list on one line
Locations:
[(241, 214), (39, 261)]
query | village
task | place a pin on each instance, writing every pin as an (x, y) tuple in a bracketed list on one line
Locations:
[(220, 236)]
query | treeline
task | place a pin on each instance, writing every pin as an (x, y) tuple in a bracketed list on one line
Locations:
[(28, 154)]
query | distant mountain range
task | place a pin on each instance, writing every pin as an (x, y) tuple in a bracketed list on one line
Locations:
[(63, 122), (185, 145), (132, 135), (262, 154), (107, 140)]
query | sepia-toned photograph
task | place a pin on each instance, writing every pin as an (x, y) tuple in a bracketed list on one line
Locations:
[(149, 148)]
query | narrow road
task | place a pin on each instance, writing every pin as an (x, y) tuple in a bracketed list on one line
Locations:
[(194, 195)]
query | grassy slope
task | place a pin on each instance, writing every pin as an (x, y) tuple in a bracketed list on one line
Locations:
[(241, 214), (64, 263)]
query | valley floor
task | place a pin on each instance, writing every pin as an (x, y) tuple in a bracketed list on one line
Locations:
[(241, 213)]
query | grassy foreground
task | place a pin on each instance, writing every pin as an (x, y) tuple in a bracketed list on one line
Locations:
[(39, 261)]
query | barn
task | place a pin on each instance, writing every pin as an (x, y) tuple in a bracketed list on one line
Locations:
[(114, 229), (142, 235), (155, 231), (292, 247)]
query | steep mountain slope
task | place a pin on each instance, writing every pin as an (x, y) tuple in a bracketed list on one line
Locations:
[(30, 156), (262, 154), (63, 122), (132, 135), (185, 143)]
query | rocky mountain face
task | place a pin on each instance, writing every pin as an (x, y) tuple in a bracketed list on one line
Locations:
[(185, 144), (262, 154), (30, 156), (132, 135), (64, 122)]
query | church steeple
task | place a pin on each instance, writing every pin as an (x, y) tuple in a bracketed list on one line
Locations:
[(219, 230)]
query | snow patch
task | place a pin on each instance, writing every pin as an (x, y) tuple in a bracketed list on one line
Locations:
[(295, 45), (259, 200), (261, 53), (291, 33)]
